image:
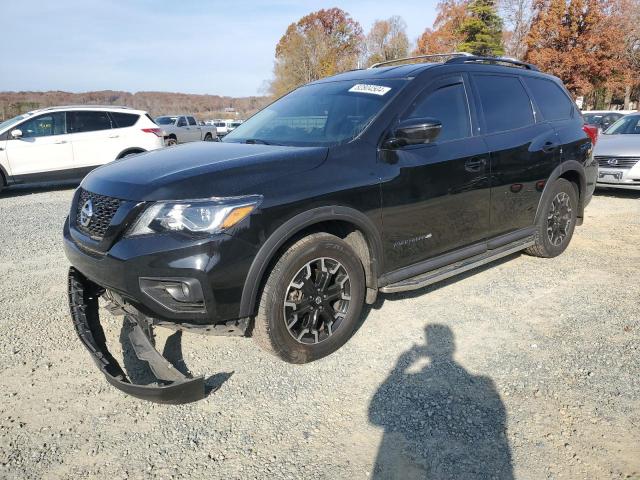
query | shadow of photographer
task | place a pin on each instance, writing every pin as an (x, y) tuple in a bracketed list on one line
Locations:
[(440, 421)]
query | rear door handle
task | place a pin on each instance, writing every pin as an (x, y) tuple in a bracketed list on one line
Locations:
[(61, 142), (549, 147), (475, 164), (114, 136)]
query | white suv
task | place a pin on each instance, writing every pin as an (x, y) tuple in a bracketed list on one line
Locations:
[(61, 143)]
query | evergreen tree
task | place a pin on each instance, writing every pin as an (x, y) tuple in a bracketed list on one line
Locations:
[(482, 29)]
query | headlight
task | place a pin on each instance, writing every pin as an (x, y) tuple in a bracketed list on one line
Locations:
[(195, 216)]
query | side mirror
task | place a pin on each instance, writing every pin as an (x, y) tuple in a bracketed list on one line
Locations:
[(414, 131), (16, 133)]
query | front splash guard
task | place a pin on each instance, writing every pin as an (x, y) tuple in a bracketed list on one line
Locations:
[(176, 388)]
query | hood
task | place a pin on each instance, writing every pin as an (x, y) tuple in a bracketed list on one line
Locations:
[(201, 170), (618, 146)]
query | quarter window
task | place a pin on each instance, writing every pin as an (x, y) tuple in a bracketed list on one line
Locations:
[(89, 121), (551, 100), (123, 120), (44, 126), (504, 101), (448, 104)]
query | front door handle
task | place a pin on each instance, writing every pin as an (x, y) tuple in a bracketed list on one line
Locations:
[(549, 147), (475, 164), (61, 142), (114, 136)]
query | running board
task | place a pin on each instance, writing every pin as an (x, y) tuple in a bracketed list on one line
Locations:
[(456, 268)]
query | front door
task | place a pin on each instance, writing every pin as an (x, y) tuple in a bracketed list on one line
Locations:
[(436, 196), (44, 149)]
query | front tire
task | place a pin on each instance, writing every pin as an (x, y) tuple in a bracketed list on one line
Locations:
[(312, 300), (557, 222), (208, 138)]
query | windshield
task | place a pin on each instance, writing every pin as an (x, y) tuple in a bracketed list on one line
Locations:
[(592, 118), (628, 125), (12, 121), (318, 115), (166, 120)]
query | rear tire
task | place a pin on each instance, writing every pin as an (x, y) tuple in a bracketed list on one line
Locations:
[(208, 138), (322, 280), (555, 226), (171, 141)]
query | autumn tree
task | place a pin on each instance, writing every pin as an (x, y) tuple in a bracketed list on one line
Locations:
[(575, 41), (387, 40), (445, 35), (320, 44), (482, 29)]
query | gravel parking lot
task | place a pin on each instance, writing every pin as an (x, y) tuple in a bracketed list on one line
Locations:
[(526, 369)]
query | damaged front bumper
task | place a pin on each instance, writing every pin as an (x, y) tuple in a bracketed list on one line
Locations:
[(173, 387)]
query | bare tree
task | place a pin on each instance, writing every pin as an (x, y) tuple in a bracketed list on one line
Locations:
[(387, 40), (517, 16)]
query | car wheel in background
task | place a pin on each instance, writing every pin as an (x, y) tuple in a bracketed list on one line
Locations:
[(312, 299), (171, 141), (208, 138), (557, 222)]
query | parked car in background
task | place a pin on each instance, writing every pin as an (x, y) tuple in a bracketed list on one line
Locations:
[(618, 154), (65, 143), (603, 119), (222, 128), (372, 181), (231, 126), (185, 129)]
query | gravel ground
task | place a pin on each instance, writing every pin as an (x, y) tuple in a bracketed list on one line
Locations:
[(526, 369)]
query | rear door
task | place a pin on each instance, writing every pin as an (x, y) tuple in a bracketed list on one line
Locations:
[(437, 199), (44, 147), (524, 151), (93, 139), (194, 130)]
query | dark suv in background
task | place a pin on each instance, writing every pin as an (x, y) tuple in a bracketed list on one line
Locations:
[(379, 180)]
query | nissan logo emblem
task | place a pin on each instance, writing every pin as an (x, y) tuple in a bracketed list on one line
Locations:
[(86, 212)]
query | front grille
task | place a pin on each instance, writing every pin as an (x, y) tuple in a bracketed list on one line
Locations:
[(104, 208), (617, 162)]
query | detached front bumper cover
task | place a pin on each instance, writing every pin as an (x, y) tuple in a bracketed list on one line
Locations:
[(175, 388)]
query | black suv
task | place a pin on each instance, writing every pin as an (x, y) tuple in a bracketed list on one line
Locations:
[(377, 180)]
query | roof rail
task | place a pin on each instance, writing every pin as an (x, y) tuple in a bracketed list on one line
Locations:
[(86, 106), (421, 57), (494, 60)]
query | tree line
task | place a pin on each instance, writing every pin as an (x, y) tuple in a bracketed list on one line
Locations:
[(592, 45)]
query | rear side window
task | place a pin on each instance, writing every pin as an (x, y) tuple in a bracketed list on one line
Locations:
[(448, 104), (551, 100), (504, 101), (192, 121), (123, 120), (89, 121)]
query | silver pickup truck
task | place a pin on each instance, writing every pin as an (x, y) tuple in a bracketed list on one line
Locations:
[(185, 128)]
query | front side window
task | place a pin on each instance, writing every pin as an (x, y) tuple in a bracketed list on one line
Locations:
[(166, 120), (629, 125), (192, 121), (320, 114), (551, 100), (505, 103), (89, 121), (182, 122), (448, 104), (44, 125)]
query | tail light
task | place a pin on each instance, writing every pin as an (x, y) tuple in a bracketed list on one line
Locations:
[(592, 131), (156, 131)]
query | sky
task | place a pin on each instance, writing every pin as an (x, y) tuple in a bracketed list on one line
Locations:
[(192, 46)]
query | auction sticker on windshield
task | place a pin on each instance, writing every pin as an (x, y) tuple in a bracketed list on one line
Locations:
[(373, 89)]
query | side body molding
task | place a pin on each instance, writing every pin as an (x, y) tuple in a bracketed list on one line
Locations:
[(294, 225)]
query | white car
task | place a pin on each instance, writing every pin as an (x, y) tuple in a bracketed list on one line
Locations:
[(64, 143)]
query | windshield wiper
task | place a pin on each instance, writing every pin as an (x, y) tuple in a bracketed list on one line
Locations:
[(257, 140)]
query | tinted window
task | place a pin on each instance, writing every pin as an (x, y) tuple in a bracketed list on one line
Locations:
[(551, 100), (182, 122), (89, 121), (192, 121), (505, 102), (44, 126), (629, 125), (165, 120), (124, 119), (449, 105)]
